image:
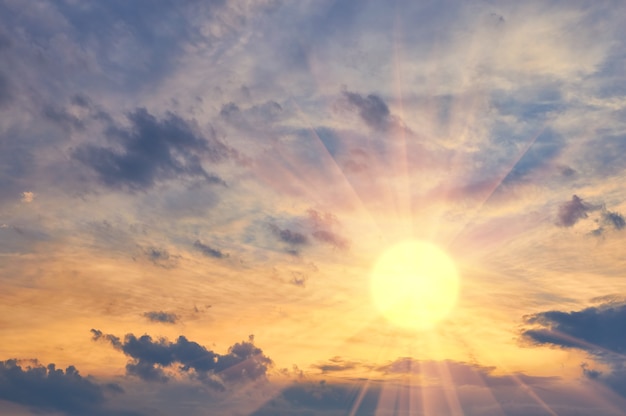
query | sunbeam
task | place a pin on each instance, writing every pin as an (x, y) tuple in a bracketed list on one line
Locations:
[(321, 208)]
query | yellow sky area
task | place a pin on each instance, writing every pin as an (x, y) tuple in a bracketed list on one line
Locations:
[(48, 314)]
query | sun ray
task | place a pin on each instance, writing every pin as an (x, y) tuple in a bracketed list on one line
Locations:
[(336, 167), (493, 188)]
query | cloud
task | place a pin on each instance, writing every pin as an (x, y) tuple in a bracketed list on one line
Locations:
[(615, 219), (161, 257), (150, 358), (288, 236), (337, 364), (477, 391), (331, 238), (160, 316), (323, 224), (600, 331), (605, 153), (63, 118), (99, 335), (322, 219), (251, 118), (462, 373), (310, 398), (209, 251), (594, 329), (152, 151), (372, 109), (570, 212), (134, 44), (53, 390)]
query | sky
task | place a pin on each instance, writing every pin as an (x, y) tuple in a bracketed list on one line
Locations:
[(197, 198)]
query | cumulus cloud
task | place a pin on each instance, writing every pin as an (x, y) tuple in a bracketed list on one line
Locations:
[(151, 358), (153, 150), (572, 211), (160, 316), (46, 388)]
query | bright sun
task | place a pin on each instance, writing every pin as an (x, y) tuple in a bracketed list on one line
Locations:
[(414, 284)]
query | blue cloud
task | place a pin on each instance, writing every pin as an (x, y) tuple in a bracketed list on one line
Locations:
[(54, 390), (153, 150)]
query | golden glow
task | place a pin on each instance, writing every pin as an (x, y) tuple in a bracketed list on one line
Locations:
[(414, 284)]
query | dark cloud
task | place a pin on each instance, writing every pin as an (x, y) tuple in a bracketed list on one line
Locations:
[(600, 331), (160, 316), (372, 109), (53, 390), (146, 371), (311, 398), (152, 151), (614, 219), (81, 100), (289, 236), (477, 391), (63, 118), (229, 110), (595, 329), (614, 378), (572, 211), (161, 257), (151, 358), (462, 374), (99, 335), (209, 251)]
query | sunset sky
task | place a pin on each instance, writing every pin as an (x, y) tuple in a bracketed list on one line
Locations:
[(202, 204)]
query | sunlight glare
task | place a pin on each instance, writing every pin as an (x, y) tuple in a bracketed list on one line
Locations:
[(414, 284)]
